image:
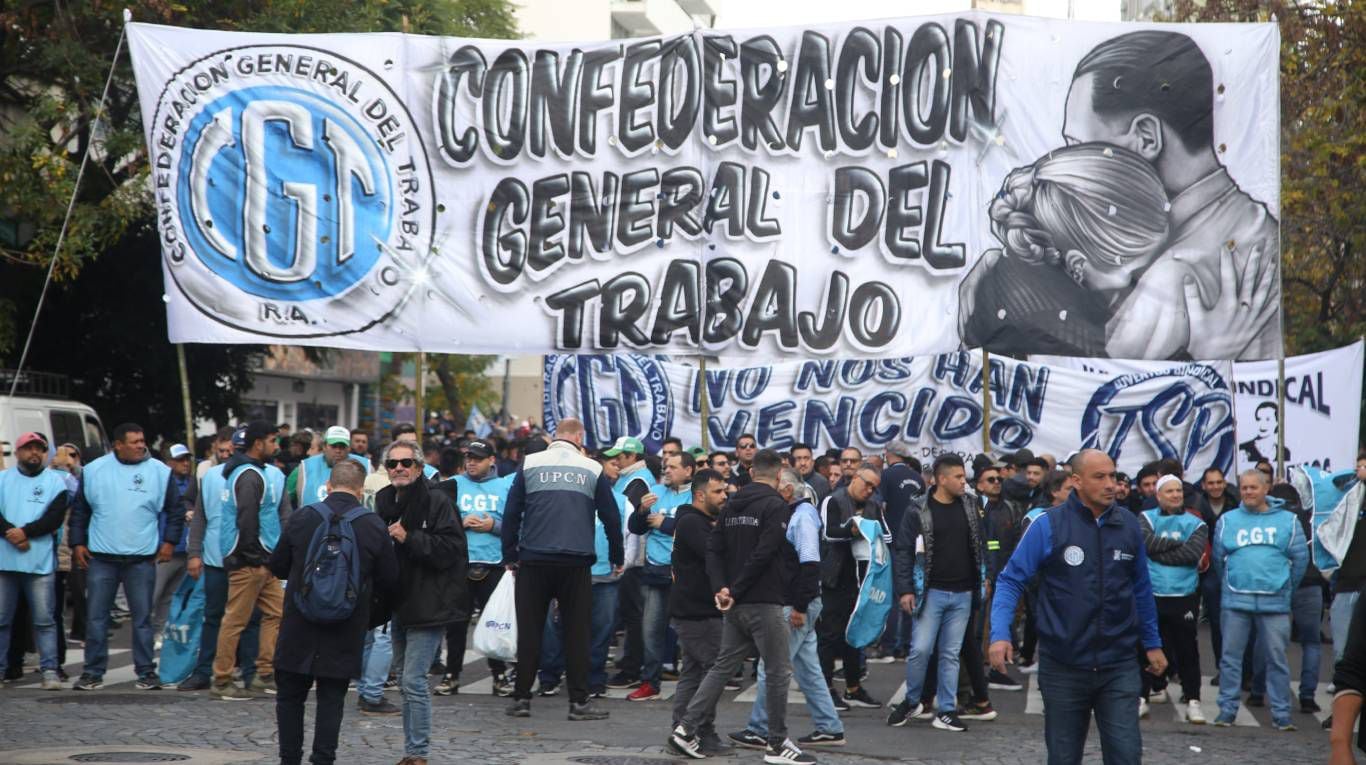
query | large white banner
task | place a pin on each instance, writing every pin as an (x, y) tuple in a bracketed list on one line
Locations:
[(930, 405), (864, 190), (1322, 404)]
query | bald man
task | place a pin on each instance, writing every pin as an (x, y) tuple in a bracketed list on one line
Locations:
[(1095, 603)]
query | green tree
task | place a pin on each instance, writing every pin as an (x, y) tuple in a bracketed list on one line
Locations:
[(1323, 161), (54, 58)]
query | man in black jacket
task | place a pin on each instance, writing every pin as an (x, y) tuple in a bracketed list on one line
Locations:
[(804, 460), (326, 655), (745, 566), (691, 604), (432, 559), (844, 558)]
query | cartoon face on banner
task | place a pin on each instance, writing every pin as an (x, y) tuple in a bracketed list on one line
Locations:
[(614, 396), (1185, 413), (294, 177)]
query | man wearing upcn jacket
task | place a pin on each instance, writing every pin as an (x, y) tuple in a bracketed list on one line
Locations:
[(1261, 555), (1095, 603), (548, 536)]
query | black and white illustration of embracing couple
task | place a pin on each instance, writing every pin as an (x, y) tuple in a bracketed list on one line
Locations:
[(1131, 240)]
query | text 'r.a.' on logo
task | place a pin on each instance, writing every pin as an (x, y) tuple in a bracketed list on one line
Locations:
[(296, 176)]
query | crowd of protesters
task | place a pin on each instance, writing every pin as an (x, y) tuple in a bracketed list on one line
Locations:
[(685, 564)]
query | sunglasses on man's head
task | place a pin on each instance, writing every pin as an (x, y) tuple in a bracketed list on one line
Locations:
[(406, 462)]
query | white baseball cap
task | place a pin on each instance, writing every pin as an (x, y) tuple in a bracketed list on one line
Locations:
[(337, 435)]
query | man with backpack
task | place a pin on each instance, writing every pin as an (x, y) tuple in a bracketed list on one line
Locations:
[(337, 557)]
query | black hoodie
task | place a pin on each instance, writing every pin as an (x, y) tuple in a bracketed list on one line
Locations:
[(691, 596), (248, 493), (745, 550)]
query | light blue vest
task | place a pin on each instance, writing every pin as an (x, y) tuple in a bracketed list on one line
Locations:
[(23, 499), (1173, 581), (212, 491), (482, 498), (659, 547), (1257, 550), (603, 565), (269, 514), (124, 502), (313, 475), (641, 473)]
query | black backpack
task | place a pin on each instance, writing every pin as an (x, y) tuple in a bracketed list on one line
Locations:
[(331, 587)]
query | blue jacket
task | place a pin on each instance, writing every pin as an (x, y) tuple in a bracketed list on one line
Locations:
[(550, 507), (1260, 557), (1095, 601)]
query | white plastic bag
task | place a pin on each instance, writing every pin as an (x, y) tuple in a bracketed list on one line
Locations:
[(496, 634)]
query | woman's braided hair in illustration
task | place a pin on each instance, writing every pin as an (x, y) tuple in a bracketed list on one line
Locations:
[(1086, 203)]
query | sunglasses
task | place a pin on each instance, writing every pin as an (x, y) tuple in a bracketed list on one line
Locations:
[(746, 446), (992, 479), (848, 462), (406, 462)]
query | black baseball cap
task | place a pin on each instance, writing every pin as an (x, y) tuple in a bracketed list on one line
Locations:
[(479, 449)]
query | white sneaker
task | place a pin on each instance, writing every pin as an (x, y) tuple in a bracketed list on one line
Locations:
[(1142, 708), (1159, 697), (51, 682), (1194, 715), (1029, 669)]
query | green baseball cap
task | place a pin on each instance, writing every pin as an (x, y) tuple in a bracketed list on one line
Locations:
[(698, 453), (627, 445)]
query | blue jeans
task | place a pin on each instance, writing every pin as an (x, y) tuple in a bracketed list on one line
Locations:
[(1071, 694), (897, 635), (654, 629), (806, 668), (40, 590), (418, 646), (139, 581), (942, 620), (1341, 615), (375, 664), (1273, 633), (552, 641), (1306, 615), (215, 602)]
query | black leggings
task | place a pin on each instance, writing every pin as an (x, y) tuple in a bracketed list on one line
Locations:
[(837, 606), (477, 595)]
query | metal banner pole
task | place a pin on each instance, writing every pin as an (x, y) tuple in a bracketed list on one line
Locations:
[(986, 402)]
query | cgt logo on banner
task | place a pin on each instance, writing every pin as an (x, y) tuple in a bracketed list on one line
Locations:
[(927, 406), (1184, 413), (295, 176)]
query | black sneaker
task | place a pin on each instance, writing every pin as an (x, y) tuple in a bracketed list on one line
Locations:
[(978, 710), (149, 682), (597, 693), (1000, 681), (903, 713), (786, 753), (502, 685), (548, 689), (840, 705), (713, 746), (586, 711), (860, 698), (749, 739), (686, 742), (438, 668), (1255, 700), (733, 684), (621, 680), (820, 738), (1310, 707), (448, 686), (519, 708), (949, 721), (390, 682), (381, 708), (194, 683), (88, 683)]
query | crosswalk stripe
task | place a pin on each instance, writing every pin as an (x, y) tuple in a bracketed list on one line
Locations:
[(1034, 696), (748, 695), (1321, 696), (75, 659)]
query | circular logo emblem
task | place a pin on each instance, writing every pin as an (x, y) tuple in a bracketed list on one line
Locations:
[(37, 491), (1073, 555), (1183, 413), (137, 480), (615, 396), (293, 193)]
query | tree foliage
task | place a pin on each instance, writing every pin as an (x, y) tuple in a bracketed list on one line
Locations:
[(1323, 161), (105, 324)]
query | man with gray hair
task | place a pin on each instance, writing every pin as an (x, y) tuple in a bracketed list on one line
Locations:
[(802, 608), (1260, 555)]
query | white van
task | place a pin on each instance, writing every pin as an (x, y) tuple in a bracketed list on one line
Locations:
[(60, 420)]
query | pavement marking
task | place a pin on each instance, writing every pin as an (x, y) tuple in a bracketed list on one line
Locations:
[(1034, 696), (748, 695), (1209, 704), (75, 661), (1321, 695)]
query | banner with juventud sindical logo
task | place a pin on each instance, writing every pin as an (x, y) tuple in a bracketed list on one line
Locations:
[(927, 405), (877, 189), (1322, 404)]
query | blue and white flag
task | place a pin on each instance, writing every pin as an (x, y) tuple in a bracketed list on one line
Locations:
[(875, 596)]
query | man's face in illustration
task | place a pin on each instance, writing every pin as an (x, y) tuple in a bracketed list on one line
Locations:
[(1141, 133)]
